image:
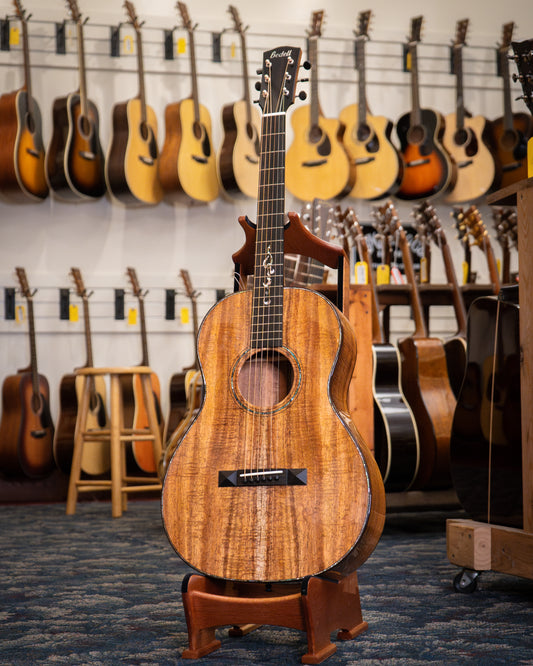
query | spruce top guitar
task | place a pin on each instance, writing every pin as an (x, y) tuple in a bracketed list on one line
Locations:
[(465, 137), (427, 167), (374, 161), (188, 168), (317, 162), (22, 173), (261, 487), (74, 159), (238, 158), (133, 155)]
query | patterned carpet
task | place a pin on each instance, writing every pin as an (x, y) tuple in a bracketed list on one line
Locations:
[(90, 589)]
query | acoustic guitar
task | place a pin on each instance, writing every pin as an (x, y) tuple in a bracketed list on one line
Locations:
[(263, 487), (466, 137), (317, 162), (427, 167), (238, 157), (374, 161), (26, 427), (22, 176), (131, 166), (96, 455), (187, 167), (74, 159)]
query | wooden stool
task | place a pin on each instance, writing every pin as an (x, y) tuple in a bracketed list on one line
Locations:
[(117, 434)]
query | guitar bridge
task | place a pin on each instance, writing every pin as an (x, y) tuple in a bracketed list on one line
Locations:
[(262, 477), (202, 160)]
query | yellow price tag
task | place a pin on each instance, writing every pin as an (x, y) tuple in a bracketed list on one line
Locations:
[(181, 45), (383, 274), (184, 315), (14, 36), (73, 313), (424, 277), (20, 314), (408, 64), (128, 44), (132, 316), (233, 49), (361, 272), (465, 272)]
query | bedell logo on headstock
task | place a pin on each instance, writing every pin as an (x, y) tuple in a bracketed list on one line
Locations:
[(283, 54)]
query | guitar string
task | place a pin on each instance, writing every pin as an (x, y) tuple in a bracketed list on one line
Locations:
[(491, 411)]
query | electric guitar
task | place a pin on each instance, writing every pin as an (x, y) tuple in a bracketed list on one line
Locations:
[(187, 166), (26, 427), (263, 487), (74, 159), (238, 157), (465, 137), (374, 161), (131, 167), (427, 167), (22, 176), (317, 163)]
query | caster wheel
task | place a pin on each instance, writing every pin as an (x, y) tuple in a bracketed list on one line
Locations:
[(466, 581)]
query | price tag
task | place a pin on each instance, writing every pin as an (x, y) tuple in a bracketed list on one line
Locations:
[(73, 313), (132, 316), (424, 277), (181, 45), (128, 44), (14, 36), (233, 49), (20, 314), (465, 272), (396, 276), (383, 274), (184, 315), (361, 272)]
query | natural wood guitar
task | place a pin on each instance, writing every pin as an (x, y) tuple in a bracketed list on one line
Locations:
[(187, 167), (131, 167), (22, 174), (263, 487), (26, 428)]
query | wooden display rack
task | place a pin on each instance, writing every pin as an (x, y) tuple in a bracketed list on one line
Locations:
[(481, 546)]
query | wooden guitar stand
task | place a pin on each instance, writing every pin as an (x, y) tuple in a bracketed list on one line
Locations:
[(316, 605)]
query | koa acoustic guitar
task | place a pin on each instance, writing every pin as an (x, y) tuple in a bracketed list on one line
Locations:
[(96, 454), (74, 159), (271, 482), (131, 167), (26, 428), (22, 176), (374, 160), (187, 167), (238, 157)]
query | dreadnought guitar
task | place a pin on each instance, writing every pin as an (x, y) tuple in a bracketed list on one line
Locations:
[(187, 166), (238, 157), (22, 176), (317, 162), (96, 456), (466, 137), (263, 487), (374, 160), (26, 428), (427, 167), (74, 159), (131, 167)]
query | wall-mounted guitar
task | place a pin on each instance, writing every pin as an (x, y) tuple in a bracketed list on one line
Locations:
[(317, 162), (427, 168), (187, 166), (465, 137), (238, 157), (74, 159), (26, 428), (374, 161), (22, 177), (96, 456), (506, 226), (133, 156)]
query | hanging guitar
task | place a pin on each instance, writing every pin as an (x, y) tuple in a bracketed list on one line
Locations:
[(22, 176), (26, 427), (270, 482)]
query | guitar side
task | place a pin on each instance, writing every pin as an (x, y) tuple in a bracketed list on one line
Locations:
[(142, 450)]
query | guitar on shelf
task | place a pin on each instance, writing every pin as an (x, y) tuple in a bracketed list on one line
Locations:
[(262, 487), (22, 176), (317, 162), (506, 227), (465, 137), (131, 166), (238, 157), (74, 159), (427, 168), (187, 166), (374, 161), (26, 427), (96, 456)]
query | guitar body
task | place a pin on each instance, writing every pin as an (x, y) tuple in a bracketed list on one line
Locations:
[(238, 158), (317, 165), (374, 162), (66, 423), (26, 428), (143, 451), (263, 531), (476, 168), (187, 167), (511, 147), (427, 169), (131, 166), (455, 350), (22, 174)]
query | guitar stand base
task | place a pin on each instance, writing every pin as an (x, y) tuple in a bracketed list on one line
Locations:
[(316, 605)]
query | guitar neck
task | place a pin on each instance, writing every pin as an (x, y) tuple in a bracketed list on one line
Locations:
[(457, 297), (194, 78), (416, 117), (33, 348), (144, 338), (507, 106), (361, 67), (27, 73), (246, 83), (459, 88), (314, 103), (491, 263), (377, 330), (140, 69), (81, 67), (416, 302), (88, 338)]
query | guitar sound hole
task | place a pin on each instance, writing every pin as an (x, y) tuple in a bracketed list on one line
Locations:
[(197, 129), (84, 125), (416, 135), (315, 134), (460, 137), (145, 131), (509, 140), (363, 132), (264, 379)]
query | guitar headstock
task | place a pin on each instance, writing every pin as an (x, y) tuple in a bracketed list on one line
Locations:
[(130, 11), (507, 36), (74, 11), (279, 78), (135, 283), (363, 25), (460, 33), (21, 12), (506, 226), (185, 18), (415, 35), (523, 56), (315, 29), (427, 223), (469, 223), (191, 293), (78, 281), (234, 12), (386, 220), (23, 281)]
